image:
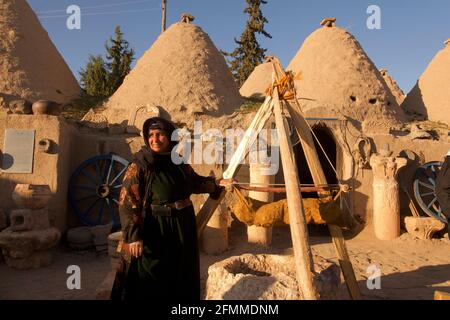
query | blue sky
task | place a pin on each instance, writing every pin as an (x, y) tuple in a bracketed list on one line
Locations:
[(412, 31)]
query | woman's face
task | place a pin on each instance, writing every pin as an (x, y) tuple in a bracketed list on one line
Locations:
[(158, 141)]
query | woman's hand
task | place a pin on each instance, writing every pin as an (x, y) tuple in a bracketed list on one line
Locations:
[(136, 248)]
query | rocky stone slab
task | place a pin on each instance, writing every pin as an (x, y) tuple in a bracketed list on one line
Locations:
[(267, 277)]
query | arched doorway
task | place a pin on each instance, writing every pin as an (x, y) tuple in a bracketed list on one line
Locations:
[(325, 136)]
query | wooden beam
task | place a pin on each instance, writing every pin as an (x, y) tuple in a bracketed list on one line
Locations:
[(345, 263), (206, 212), (258, 123), (299, 231)]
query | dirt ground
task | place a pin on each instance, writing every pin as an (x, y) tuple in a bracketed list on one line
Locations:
[(411, 269)]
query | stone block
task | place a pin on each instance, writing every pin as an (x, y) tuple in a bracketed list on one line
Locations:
[(80, 235), (36, 260), (424, 227), (19, 253), (114, 238), (101, 232), (81, 246), (113, 242), (100, 236), (267, 277), (101, 241), (28, 241), (102, 249), (27, 220)]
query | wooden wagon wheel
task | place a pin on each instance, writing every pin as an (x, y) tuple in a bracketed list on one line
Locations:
[(425, 190), (94, 189)]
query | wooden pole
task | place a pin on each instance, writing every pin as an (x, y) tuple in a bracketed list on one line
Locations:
[(299, 231), (319, 178), (164, 9), (258, 123)]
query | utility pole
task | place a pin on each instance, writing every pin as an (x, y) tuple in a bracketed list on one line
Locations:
[(164, 7)]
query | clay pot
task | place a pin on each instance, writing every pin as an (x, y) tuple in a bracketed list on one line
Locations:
[(47, 107), (31, 196)]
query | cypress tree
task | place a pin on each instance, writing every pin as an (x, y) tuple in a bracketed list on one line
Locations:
[(100, 78), (248, 54), (119, 57), (94, 77)]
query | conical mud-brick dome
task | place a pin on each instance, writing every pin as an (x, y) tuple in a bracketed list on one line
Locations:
[(258, 81), (398, 93), (183, 73), (431, 95), (339, 79), (30, 65)]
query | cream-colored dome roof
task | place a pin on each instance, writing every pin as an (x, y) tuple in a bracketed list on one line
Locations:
[(338, 78), (182, 72), (30, 65), (431, 95), (259, 80)]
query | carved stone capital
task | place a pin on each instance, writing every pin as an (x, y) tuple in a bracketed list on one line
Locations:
[(386, 167), (423, 228)]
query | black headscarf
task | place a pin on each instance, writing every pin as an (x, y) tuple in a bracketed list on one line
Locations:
[(158, 123)]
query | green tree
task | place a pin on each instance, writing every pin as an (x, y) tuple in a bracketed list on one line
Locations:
[(248, 54), (100, 78), (94, 77), (119, 57)]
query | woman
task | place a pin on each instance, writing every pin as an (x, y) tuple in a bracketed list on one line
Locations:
[(158, 222)]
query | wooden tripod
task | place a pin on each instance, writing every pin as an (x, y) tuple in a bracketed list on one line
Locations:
[(298, 227)]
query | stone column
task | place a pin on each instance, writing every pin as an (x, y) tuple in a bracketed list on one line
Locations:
[(386, 200), (215, 234), (259, 175)]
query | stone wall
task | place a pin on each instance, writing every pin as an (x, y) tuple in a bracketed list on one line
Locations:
[(50, 168)]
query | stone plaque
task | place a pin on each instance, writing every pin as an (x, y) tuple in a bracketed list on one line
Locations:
[(18, 151)]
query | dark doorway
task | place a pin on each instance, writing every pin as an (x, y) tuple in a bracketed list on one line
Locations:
[(325, 136)]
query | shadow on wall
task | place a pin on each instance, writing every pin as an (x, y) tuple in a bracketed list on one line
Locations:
[(414, 104), (361, 205), (406, 181), (7, 187), (419, 284)]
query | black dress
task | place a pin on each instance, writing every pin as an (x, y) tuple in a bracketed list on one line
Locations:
[(169, 267)]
